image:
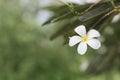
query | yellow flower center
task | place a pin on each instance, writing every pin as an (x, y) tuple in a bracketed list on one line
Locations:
[(85, 39)]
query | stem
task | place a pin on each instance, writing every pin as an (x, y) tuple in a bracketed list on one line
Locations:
[(116, 9), (71, 7), (113, 4), (103, 17), (90, 7)]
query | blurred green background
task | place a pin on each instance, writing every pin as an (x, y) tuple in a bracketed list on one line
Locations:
[(26, 53)]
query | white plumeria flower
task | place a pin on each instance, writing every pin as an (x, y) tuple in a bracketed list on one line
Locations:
[(85, 38)]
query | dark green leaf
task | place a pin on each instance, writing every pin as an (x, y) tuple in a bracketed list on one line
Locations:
[(96, 12)]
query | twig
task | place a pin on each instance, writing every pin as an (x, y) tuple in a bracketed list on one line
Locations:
[(90, 7), (107, 14)]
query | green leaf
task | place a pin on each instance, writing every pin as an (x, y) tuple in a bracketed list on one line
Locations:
[(96, 12), (67, 27)]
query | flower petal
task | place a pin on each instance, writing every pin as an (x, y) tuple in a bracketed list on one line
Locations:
[(94, 43), (74, 40), (81, 30), (82, 48), (93, 33)]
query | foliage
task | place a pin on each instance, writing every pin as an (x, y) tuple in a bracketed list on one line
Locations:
[(27, 54), (98, 16)]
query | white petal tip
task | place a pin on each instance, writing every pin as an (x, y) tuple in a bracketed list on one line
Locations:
[(93, 33), (81, 30), (81, 53), (82, 48), (79, 27), (71, 45), (74, 40), (98, 46), (94, 43)]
